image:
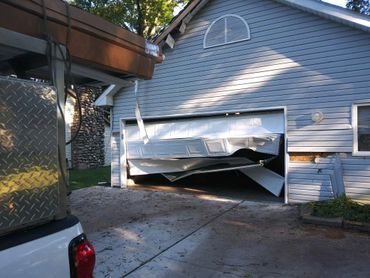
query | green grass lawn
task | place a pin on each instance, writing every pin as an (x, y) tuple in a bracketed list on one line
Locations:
[(342, 207), (89, 177)]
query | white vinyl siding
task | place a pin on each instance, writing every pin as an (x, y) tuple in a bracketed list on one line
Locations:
[(309, 181), (356, 176), (115, 160), (312, 181), (107, 145)]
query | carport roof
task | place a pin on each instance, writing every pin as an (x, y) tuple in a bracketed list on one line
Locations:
[(94, 42)]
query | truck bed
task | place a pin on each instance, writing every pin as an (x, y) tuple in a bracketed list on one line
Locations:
[(39, 252)]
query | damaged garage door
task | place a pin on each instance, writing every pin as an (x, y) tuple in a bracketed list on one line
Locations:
[(180, 148)]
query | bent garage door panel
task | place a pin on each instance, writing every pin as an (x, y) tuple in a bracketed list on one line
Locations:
[(212, 127), (202, 142), (204, 137)]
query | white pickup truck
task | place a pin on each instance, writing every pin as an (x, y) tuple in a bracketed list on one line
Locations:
[(55, 249)]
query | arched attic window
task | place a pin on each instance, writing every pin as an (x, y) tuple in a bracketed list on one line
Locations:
[(226, 29)]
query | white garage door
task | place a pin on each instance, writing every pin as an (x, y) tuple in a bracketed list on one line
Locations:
[(211, 136), (187, 144)]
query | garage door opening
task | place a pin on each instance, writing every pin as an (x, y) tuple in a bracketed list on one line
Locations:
[(240, 156)]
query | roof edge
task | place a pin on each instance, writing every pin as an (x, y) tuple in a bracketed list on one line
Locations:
[(177, 20), (106, 99), (338, 14), (329, 11)]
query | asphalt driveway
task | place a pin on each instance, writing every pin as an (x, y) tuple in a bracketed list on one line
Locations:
[(161, 234)]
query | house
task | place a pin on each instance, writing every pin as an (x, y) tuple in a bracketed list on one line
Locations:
[(246, 82)]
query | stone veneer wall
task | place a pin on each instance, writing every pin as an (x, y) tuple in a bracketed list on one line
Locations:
[(88, 147)]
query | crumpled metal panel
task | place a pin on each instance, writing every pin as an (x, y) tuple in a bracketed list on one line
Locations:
[(160, 166), (268, 179), (202, 147), (205, 137), (28, 153)]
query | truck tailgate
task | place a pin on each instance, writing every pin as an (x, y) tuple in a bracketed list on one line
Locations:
[(39, 252)]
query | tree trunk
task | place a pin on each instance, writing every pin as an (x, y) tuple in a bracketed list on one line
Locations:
[(140, 20)]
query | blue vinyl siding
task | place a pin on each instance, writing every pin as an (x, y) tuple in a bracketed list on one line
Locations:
[(294, 59)]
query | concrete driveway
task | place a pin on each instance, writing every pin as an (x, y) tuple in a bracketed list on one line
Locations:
[(161, 234)]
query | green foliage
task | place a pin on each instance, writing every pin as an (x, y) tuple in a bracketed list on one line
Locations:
[(361, 6), (89, 177), (144, 17), (342, 207)]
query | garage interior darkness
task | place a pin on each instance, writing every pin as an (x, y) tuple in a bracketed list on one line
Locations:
[(227, 184), (231, 184)]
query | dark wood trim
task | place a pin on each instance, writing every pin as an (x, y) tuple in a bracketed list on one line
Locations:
[(93, 41), (177, 21)]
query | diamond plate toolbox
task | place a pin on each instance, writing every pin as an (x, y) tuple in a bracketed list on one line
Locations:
[(28, 153)]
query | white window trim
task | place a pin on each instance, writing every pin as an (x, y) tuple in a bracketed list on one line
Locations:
[(225, 43), (355, 151)]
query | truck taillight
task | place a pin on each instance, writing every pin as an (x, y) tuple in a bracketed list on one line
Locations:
[(82, 257)]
